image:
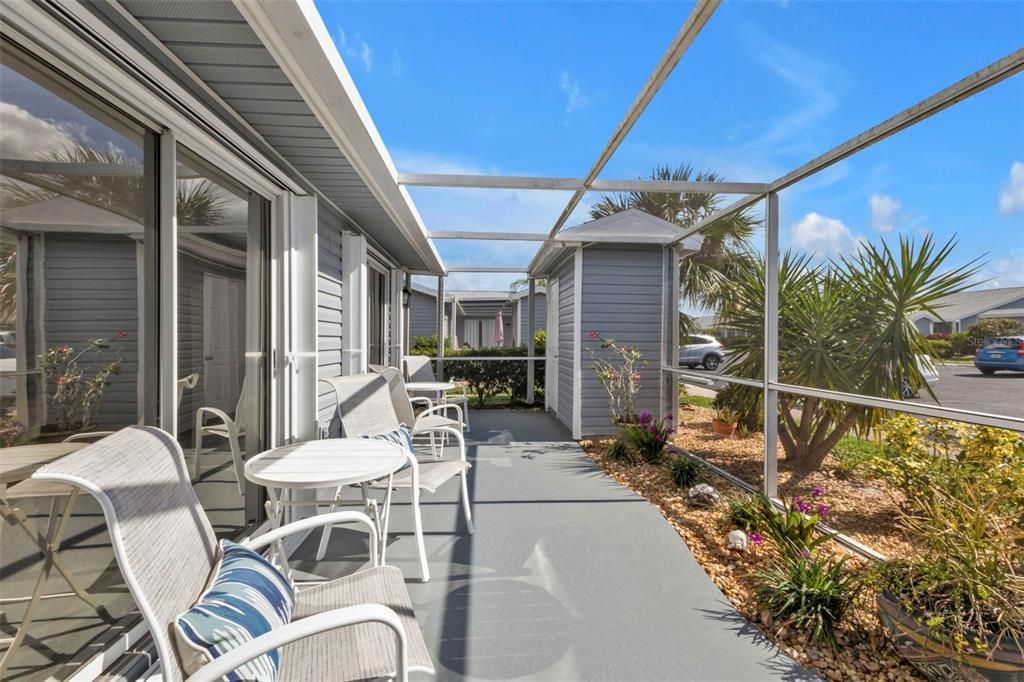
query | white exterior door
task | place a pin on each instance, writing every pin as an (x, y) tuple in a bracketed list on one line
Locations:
[(223, 334)]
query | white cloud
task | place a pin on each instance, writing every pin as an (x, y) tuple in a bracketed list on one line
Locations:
[(396, 65), (478, 210), (574, 97), (824, 236), (356, 48), (1007, 271), (25, 136), (1011, 199), (885, 212)]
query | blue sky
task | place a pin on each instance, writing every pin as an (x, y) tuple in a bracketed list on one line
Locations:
[(537, 88)]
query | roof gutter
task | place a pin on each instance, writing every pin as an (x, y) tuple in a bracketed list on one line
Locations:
[(296, 35)]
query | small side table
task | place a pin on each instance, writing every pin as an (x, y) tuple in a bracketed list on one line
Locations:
[(329, 463)]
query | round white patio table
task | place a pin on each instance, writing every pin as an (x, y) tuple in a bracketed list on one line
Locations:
[(329, 463), (438, 387)]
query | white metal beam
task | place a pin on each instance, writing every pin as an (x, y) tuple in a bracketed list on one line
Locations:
[(979, 80), (499, 236), (771, 345), (699, 16), (484, 268), (575, 184)]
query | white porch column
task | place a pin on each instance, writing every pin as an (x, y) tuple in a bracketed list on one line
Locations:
[(452, 320), (670, 332), (300, 354), (530, 326), (440, 327), (354, 305), (771, 345), (396, 339)]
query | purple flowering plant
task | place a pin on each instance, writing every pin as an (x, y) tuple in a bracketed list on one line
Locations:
[(649, 436), (792, 528)]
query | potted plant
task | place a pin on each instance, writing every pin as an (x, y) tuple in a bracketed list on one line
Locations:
[(723, 424), (956, 611)]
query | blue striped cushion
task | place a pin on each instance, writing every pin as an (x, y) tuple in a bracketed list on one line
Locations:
[(400, 437), (248, 597)]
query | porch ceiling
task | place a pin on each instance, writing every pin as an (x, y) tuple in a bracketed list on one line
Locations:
[(214, 52)]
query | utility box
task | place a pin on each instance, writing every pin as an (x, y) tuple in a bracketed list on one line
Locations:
[(617, 276)]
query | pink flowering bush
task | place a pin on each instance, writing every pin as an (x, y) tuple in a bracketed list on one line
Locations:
[(649, 436), (620, 376), (76, 396)]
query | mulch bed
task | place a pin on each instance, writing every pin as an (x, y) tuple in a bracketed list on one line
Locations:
[(864, 653)]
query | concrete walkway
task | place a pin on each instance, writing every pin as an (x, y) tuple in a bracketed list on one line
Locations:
[(569, 576)]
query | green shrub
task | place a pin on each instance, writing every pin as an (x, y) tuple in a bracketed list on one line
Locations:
[(961, 343), (617, 451), (987, 329), (745, 512), (856, 454), (941, 348), (487, 379), (685, 471), (427, 345), (649, 437), (698, 400), (810, 594)]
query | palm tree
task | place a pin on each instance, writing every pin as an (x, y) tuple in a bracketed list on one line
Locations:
[(704, 275)]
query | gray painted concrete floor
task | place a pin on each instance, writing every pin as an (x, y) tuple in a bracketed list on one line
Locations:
[(569, 576)]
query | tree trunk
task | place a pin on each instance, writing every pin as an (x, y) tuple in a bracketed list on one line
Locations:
[(808, 443)]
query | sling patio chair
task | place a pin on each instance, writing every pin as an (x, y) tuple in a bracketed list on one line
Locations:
[(352, 628), (430, 419), (364, 406), (419, 368)]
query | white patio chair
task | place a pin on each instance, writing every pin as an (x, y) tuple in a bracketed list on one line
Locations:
[(365, 408), (231, 428), (167, 551), (419, 368)]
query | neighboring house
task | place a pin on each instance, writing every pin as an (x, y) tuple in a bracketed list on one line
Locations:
[(474, 323), (958, 312)]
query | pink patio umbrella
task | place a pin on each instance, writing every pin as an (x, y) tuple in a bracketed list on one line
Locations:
[(499, 331)]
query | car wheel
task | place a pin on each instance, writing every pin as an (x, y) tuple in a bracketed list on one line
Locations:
[(988, 372), (907, 392), (711, 362)]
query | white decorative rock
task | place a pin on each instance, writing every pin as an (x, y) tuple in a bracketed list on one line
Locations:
[(703, 495), (738, 540)]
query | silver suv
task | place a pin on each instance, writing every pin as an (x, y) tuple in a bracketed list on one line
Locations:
[(702, 350)]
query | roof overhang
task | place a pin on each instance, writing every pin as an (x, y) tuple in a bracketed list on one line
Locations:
[(270, 69)]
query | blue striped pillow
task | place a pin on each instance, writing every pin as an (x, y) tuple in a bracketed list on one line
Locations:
[(248, 597), (400, 437)]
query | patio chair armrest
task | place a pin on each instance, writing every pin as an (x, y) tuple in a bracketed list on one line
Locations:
[(318, 521), (87, 435), (307, 627), (421, 399), (457, 433), (443, 407), (218, 413)]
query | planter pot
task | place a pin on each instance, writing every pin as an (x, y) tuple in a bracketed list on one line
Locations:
[(723, 429), (935, 659)]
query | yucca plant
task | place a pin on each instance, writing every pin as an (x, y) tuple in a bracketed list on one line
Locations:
[(844, 326), (810, 594)]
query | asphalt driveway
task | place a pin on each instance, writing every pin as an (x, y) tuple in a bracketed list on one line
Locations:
[(965, 388), (960, 386)]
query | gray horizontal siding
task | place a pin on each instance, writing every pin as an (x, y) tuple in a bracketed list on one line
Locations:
[(566, 334), (91, 292), (422, 314), (329, 300), (621, 300), (540, 311)]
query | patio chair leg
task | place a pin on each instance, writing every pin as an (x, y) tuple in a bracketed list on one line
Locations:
[(325, 534), (418, 521), (236, 458), (385, 521), (433, 446), (465, 504), (194, 469)]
